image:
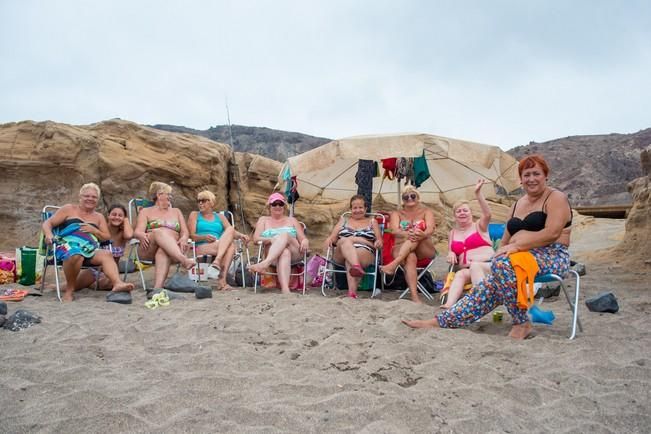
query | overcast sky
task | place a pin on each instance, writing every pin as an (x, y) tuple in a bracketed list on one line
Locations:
[(496, 72)]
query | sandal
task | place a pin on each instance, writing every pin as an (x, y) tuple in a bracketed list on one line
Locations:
[(13, 294), (160, 299), (352, 294), (356, 271)]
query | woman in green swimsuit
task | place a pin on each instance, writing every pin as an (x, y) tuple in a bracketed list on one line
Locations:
[(162, 233), (284, 240)]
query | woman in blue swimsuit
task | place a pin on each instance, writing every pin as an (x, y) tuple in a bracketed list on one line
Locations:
[(284, 240), (214, 236), (540, 223)]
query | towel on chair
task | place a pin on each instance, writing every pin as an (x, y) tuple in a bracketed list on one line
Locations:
[(525, 267)]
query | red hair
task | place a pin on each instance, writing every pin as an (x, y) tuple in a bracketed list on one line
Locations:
[(530, 161)]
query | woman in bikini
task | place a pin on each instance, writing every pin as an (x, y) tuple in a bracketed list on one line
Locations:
[(284, 240), (540, 223), (214, 236), (121, 232), (356, 238), (79, 229), (412, 227), (162, 233), (470, 246)]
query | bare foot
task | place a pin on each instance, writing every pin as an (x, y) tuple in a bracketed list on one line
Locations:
[(257, 268), (444, 307), (421, 324), (285, 291), (223, 286), (416, 300), (68, 296), (188, 263), (389, 269), (122, 287), (521, 331)]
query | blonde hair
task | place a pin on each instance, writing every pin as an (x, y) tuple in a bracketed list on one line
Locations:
[(458, 204), (158, 187), (207, 195), (91, 186)]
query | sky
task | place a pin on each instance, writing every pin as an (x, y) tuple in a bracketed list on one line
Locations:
[(498, 72)]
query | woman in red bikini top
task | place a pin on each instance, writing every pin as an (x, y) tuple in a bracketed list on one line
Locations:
[(470, 246)]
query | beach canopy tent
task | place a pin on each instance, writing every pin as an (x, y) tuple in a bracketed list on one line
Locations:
[(327, 173)]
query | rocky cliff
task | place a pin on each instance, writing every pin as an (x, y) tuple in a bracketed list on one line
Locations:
[(274, 144), (593, 170)]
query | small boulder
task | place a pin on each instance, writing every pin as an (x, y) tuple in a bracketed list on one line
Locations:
[(3, 308), (21, 319), (604, 302), (2, 320), (127, 266), (120, 297), (580, 269)]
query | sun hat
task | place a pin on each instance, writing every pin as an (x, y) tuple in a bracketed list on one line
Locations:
[(276, 197)]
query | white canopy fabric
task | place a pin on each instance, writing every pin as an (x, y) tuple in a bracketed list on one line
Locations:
[(327, 173)]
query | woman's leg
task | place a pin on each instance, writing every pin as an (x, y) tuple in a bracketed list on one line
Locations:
[(363, 258), (110, 270), (411, 277), (225, 266), (479, 270), (71, 267), (284, 268), (346, 253), (400, 253), (225, 242), (162, 264), (85, 279), (166, 241), (278, 245), (461, 277)]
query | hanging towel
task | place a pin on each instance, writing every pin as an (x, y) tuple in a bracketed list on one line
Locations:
[(421, 171), (389, 166), (525, 267), (364, 180)]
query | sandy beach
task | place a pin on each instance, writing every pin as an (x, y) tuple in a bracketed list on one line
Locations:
[(245, 362)]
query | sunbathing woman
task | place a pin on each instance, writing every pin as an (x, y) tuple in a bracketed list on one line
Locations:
[(540, 223), (356, 237), (121, 232), (214, 236), (412, 227), (79, 227), (284, 240), (163, 233), (470, 246)]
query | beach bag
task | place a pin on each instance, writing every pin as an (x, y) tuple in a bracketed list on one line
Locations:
[(234, 274), (269, 280), (315, 266), (26, 265), (7, 270)]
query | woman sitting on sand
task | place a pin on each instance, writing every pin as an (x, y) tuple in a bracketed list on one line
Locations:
[(284, 240), (412, 227), (214, 236), (470, 246), (121, 232), (540, 223), (162, 233), (78, 228), (356, 238)]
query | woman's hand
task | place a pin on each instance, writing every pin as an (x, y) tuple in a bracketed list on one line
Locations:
[(305, 244), (507, 250), (378, 244), (329, 242), (210, 238), (183, 243), (479, 185), (244, 238), (87, 228), (144, 241), (416, 235), (452, 258)]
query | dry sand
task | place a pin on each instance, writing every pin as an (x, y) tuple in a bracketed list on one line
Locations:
[(245, 362)]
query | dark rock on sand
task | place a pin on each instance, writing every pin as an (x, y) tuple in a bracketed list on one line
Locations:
[(21, 319), (119, 297), (3, 308), (203, 292), (2, 320), (604, 302)]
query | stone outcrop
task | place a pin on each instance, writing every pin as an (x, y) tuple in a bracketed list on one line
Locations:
[(46, 163)]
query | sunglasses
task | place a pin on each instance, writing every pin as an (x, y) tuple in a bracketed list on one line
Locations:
[(277, 203), (410, 196), (202, 200)]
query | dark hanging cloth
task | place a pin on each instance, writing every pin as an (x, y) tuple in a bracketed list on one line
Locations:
[(421, 171), (364, 180), (293, 191)]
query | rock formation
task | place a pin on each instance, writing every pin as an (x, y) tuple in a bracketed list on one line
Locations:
[(46, 163)]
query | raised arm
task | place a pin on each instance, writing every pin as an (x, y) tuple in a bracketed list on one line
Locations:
[(485, 218)]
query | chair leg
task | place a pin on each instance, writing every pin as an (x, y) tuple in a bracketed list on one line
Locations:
[(574, 306)]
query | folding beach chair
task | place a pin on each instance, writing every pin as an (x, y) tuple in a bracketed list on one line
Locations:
[(133, 208), (300, 263), (332, 267), (496, 231), (239, 252), (49, 257)]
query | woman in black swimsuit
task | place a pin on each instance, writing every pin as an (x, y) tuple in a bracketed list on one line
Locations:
[(356, 237), (540, 223)]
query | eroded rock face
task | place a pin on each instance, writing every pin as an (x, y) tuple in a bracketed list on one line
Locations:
[(46, 163)]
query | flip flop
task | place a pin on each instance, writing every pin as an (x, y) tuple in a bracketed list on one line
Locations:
[(13, 294), (159, 299), (352, 295)]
